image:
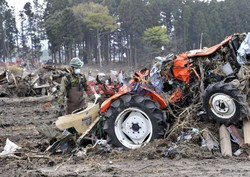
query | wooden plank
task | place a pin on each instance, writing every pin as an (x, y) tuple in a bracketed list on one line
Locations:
[(246, 131), (225, 141)]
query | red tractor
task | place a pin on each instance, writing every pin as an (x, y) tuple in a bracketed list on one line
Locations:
[(137, 113)]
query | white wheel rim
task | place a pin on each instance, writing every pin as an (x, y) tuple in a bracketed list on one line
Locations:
[(222, 105), (133, 128)]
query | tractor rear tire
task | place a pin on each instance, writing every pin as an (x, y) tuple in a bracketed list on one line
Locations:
[(134, 120)]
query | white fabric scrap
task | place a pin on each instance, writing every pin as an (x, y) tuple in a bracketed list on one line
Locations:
[(101, 74), (91, 78), (113, 75), (244, 50), (120, 78), (113, 72), (9, 148)]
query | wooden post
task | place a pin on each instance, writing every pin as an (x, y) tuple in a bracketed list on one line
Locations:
[(225, 141), (246, 131)]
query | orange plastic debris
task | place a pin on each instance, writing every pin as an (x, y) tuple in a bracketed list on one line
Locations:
[(176, 96), (207, 51), (181, 68)]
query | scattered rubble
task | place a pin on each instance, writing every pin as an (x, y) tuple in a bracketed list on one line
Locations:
[(45, 81)]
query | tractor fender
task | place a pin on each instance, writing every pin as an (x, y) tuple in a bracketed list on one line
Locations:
[(127, 89)]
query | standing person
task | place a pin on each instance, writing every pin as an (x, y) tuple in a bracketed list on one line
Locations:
[(73, 87)]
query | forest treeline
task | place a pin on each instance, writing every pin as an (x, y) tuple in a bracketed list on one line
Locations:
[(128, 31)]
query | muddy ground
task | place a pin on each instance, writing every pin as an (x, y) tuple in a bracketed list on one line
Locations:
[(20, 117)]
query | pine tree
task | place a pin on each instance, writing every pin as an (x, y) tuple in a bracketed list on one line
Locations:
[(155, 38)]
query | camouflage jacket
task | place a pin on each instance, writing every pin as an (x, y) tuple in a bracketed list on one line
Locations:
[(75, 81)]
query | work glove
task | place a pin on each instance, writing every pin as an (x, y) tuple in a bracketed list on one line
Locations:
[(61, 110)]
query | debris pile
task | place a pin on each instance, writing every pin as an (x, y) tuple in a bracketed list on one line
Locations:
[(44, 81)]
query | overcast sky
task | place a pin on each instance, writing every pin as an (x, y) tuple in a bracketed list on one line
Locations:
[(17, 4)]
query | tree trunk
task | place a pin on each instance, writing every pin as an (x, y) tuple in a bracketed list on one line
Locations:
[(5, 46), (109, 47), (60, 58), (63, 54), (71, 51), (66, 54), (55, 62), (95, 52), (52, 56), (114, 53), (85, 49), (135, 52), (89, 48), (84, 52), (106, 48), (75, 49), (131, 50), (99, 48)]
